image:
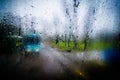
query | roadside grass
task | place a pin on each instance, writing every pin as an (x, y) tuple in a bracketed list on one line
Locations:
[(99, 45), (96, 45)]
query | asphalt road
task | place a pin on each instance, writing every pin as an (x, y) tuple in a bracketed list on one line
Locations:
[(51, 64)]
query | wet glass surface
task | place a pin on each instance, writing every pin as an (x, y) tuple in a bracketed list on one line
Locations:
[(78, 39)]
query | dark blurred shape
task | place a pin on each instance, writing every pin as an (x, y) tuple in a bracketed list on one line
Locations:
[(9, 32), (112, 55), (112, 59)]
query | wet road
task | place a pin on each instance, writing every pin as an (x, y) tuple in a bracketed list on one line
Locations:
[(51, 64)]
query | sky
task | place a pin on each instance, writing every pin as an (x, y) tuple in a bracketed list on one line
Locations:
[(50, 16)]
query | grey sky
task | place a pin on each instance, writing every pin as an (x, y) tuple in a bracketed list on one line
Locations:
[(50, 14)]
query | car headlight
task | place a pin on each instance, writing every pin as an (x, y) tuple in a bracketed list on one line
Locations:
[(28, 50), (37, 50)]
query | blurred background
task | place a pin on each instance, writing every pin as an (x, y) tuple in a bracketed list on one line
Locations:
[(60, 39)]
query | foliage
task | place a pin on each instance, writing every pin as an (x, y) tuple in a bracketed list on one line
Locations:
[(96, 45)]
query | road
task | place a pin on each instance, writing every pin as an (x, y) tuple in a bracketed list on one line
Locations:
[(49, 64)]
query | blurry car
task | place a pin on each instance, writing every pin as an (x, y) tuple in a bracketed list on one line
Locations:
[(32, 44)]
